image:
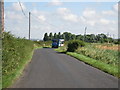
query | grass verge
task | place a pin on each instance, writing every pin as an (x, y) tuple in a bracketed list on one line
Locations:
[(11, 78), (16, 53), (113, 70)]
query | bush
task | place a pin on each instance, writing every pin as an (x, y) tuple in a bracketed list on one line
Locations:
[(74, 44), (116, 41)]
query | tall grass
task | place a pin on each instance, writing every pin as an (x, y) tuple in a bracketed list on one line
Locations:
[(104, 55), (16, 53)]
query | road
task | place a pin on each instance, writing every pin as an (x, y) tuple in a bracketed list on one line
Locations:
[(50, 69)]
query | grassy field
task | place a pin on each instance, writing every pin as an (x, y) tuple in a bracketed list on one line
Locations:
[(16, 53), (106, 55), (94, 54)]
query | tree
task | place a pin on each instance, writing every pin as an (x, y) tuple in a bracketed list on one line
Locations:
[(93, 38), (87, 38), (55, 36), (80, 37), (67, 36), (101, 38), (63, 36), (59, 35), (46, 38), (73, 36), (50, 36)]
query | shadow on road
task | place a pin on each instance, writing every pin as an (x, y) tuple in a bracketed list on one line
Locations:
[(46, 47), (55, 51), (61, 52)]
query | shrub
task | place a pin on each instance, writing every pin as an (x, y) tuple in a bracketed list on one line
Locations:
[(74, 44)]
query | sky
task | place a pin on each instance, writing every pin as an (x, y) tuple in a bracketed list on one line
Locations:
[(57, 16)]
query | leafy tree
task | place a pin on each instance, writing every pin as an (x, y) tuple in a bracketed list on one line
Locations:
[(46, 38), (50, 36), (73, 36), (63, 36), (91, 38), (55, 36), (67, 36), (78, 37), (59, 35), (101, 38)]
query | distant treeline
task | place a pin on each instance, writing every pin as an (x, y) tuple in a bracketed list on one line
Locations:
[(92, 38)]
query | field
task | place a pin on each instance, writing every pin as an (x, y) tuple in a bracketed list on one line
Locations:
[(109, 47), (106, 53)]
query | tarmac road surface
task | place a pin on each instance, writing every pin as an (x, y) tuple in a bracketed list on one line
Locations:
[(51, 69)]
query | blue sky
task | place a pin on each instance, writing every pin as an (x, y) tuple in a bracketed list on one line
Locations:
[(56, 16)]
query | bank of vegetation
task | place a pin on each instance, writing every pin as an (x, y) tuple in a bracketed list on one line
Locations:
[(16, 53)]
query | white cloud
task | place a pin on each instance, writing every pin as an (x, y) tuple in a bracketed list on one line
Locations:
[(71, 17), (113, 12), (16, 6), (110, 12), (41, 17), (38, 12), (99, 22), (35, 11), (92, 23), (104, 21), (89, 17), (82, 19), (63, 11), (67, 15), (55, 3), (13, 16), (89, 13), (92, 17)]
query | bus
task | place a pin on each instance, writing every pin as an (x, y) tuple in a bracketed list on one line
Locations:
[(57, 43)]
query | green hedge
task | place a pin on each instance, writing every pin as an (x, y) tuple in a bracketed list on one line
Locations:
[(74, 44), (16, 53)]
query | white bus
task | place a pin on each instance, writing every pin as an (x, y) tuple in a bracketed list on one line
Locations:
[(61, 42)]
